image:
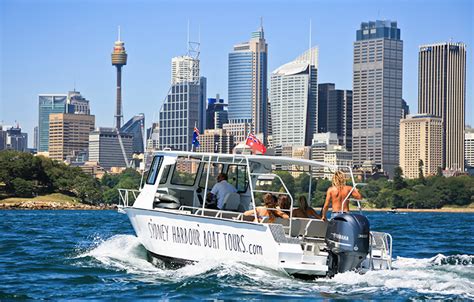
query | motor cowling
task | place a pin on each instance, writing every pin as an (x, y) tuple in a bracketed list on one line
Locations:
[(347, 238)]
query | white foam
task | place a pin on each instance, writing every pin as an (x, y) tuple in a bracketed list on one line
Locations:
[(446, 275), (421, 275)]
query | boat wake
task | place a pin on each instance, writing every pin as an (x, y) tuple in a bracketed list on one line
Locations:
[(439, 277)]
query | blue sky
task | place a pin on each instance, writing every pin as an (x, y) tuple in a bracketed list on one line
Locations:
[(48, 46)]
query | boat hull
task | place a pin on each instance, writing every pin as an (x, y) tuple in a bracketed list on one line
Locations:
[(182, 237)]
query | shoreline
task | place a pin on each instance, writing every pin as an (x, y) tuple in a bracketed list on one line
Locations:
[(46, 205), (442, 210)]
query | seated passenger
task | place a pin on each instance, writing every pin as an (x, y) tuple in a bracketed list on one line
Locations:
[(337, 193), (267, 211), (305, 211), (283, 202), (219, 192)]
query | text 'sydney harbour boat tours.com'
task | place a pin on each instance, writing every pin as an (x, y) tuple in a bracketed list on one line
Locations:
[(171, 220)]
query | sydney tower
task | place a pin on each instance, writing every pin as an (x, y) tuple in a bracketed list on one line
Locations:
[(119, 59)]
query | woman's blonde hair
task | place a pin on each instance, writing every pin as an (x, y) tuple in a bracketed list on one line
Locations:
[(339, 180)]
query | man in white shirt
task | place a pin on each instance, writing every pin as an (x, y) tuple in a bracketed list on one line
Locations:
[(221, 189)]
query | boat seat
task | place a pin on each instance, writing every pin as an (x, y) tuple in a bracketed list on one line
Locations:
[(230, 215), (284, 222), (298, 226), (316, 228), (208, 213), (231, 202)]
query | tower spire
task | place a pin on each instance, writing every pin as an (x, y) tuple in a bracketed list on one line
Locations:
[(119, 59)]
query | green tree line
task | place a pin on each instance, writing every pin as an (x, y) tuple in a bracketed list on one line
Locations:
[(25, 175), (430, 192)]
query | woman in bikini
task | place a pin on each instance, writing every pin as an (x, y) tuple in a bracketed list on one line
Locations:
[(337, 193), (305, 211), (267, 211)]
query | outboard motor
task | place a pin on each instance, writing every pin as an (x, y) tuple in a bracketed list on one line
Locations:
[(347, 238)]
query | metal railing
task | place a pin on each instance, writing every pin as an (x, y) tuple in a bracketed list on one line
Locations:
[(381, 242), (127, 197)]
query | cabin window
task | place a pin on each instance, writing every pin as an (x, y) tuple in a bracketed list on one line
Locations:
[(237, 176), (164, 175), (154, 169), (213, 172), (185, 171)]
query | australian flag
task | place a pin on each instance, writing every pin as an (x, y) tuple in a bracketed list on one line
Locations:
[(196, 138)]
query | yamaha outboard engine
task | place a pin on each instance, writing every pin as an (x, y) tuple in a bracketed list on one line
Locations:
[(347, 237)]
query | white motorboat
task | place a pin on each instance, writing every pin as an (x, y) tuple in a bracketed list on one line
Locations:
[(170, 217)]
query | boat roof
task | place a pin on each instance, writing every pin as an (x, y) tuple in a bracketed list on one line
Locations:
[(263, 159)]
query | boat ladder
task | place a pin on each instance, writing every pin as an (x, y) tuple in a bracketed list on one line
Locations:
[(380, 255)]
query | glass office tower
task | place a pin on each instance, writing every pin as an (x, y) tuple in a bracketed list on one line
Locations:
[(377, 94), (248, 83)]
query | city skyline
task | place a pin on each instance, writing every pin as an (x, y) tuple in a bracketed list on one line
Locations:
[(80, 57)]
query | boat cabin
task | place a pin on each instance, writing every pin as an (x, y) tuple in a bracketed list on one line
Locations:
[(179, 180)]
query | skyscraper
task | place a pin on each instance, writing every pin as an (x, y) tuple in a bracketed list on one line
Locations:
[(119, 59), (248, 83), (420, 139), (377, 94), (294, 95), (107, 150), (135, 127), (469, 149), (13, 139), (184, 69), (48, 103), (77, 103), (69, 133), (442, 92), (216, 113), (185, 106), (335, 113)]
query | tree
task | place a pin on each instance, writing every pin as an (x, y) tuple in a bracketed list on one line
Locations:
[(398, 182), (421, 176)]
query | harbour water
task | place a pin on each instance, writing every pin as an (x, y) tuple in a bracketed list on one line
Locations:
[(63, 255)]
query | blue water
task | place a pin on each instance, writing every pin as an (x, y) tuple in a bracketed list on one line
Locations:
[(63, 255)]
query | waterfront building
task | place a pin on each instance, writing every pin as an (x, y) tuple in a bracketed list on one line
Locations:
[(248, 83), (135, 127), (216, 113), (69, 134), (420, 139), (215, 141), (320, 143), (239, 131), (335, 112), (48, 103), (442, 92), (336, 155), (294, 95), (469, 149), (108, 149), (377, 94)]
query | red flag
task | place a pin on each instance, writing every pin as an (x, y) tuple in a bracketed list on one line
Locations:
[(255, 144)]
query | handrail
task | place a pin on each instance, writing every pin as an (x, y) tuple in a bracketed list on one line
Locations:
[(287, 192), (124, 196)]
